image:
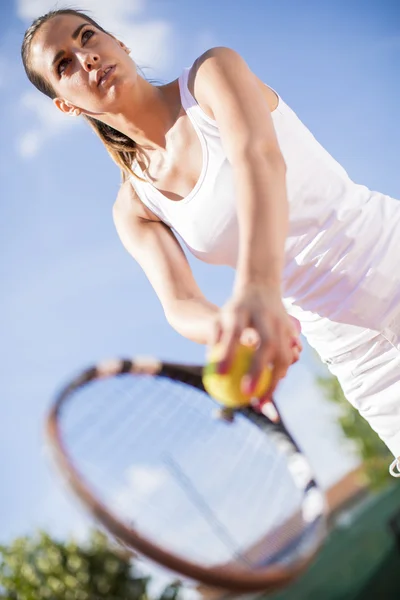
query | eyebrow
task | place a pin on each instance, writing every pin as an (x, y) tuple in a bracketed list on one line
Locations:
[(74, 36)]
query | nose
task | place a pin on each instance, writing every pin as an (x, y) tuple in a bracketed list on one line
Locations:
[(89, 61)]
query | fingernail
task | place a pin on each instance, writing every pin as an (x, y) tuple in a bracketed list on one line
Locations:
[(222, 367)]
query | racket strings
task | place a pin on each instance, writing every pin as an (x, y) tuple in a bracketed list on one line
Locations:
[(147, 431), (138, 426), (136, 423), (152, 451), (77, 424), (252, 494), (210, 516), (116, 420)]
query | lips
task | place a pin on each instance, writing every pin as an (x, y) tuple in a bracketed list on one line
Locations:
[(103, 74)]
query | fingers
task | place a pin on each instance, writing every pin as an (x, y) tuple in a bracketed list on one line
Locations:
[(282, 360), (274, 350), (296, 325), (250, 337), (263, 356), (273, 334), (279, 348), (216, 332), (296, 348), (233, 322)]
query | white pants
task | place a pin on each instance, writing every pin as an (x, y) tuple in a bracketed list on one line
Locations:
[(370, 378)]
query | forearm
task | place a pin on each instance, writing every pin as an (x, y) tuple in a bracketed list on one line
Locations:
[(193, 318), (263, 219)]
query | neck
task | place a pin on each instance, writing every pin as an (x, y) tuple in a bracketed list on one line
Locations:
[(147, 115)]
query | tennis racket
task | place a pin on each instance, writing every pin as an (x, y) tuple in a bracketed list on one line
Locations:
[(230, 502)]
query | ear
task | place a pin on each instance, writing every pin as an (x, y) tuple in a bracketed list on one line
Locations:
[(66, 107), (127, 50)]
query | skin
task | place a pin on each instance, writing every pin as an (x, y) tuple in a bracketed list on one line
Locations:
[(127, 102), (241, 104)]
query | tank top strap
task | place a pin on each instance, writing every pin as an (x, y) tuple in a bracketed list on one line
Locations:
[(147, 195), (190, 103), (206, 129)]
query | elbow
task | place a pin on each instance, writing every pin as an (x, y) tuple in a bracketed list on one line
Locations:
[(173, 313), (171, 320), (170, 316), (178, 324)]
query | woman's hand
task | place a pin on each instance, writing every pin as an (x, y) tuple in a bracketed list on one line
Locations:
[(272, 331)]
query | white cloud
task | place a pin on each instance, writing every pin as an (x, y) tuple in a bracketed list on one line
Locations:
[(151, 42), (29, 144), (30, 9), (141, 483)]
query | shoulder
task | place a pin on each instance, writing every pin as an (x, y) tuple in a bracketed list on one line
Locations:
[(214, 64), (126, 202), (216, 58), (220, 72), (128, 205)]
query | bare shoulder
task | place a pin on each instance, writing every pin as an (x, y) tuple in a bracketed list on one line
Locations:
[(129, 206), (217, 67), (217, 58)]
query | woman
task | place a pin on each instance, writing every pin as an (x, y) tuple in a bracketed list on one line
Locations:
[(219, 158)]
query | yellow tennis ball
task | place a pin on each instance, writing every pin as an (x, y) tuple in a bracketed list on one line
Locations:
[(226, 388)]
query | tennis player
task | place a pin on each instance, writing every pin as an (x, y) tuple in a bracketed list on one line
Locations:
[(217, 157)]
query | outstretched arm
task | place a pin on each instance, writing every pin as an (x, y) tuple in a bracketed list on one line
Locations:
[(225, 87), (158, 252), (160, 255)]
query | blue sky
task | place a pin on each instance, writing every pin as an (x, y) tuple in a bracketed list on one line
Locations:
[(70, 292)]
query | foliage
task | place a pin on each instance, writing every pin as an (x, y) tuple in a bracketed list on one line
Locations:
[(40, 568), (372, 451)]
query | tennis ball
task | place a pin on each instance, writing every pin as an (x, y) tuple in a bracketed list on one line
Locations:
[(226, 388)]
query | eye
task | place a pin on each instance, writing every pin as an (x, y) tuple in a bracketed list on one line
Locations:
[(62, 65), (86, 35)]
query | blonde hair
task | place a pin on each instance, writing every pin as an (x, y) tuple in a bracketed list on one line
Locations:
[(122, 149)]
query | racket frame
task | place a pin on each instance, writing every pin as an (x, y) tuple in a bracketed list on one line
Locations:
[(223, 576)]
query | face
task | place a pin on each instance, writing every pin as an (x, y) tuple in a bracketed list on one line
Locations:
[(88, 69)]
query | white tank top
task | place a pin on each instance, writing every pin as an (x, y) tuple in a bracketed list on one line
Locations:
[(341, 277)]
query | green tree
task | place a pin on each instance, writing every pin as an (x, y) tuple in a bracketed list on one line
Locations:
[(40, 568), (372, 451)]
